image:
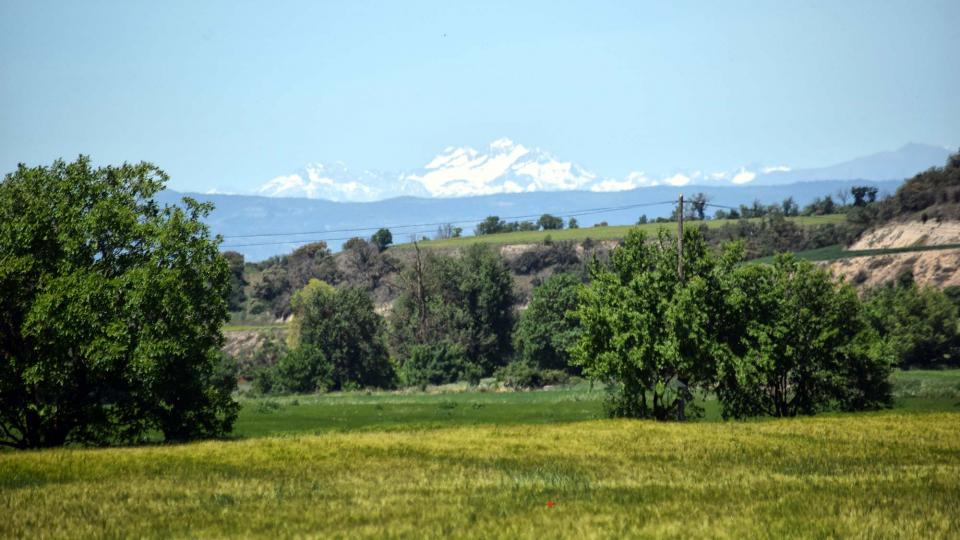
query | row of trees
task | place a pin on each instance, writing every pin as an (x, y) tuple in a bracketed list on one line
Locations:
[(547, 222)]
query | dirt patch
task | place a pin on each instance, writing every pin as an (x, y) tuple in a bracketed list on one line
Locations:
[(910, 234)]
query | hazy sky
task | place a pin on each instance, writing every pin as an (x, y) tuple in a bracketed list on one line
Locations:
[(230, 94)]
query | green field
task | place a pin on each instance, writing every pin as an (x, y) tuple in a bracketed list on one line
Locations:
[(484, 464), (833, 253), (614, 232)]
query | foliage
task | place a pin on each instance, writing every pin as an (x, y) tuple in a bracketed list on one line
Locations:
[(110, 310), (548, 329), (523, 375), (919, 324), (800, 345), (267, 349), (549, 222), (562, 256), (467, 301), (364, 265), (381, 239), (237, 281), (438, 363), (302, 369), (282, 276), (648, 329), (337, 341)]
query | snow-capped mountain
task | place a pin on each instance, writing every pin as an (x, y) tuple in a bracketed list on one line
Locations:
[(339, 183), (505, 166)]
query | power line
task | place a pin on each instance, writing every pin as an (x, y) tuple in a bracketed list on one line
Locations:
[(473, 220), (583, 212)]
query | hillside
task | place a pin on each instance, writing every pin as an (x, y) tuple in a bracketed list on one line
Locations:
[(939, 268), (924, 212)]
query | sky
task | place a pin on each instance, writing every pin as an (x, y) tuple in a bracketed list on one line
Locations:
[(227, 95)]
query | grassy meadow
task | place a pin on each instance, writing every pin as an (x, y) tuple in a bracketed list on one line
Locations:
[(611, 232), (526, 464)]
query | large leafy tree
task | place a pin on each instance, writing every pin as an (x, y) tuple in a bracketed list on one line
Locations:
[(339, 339), (801, 345), (465, 301), (548, 329), (653, 332), (920, 324), (110, 310)]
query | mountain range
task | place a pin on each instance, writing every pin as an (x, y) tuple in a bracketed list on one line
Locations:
[(509, 167), (515, 183)]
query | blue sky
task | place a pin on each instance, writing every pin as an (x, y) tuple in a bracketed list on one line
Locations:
[(230, 94)]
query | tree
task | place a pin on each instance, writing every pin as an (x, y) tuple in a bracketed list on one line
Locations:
[(698, 206), (547, 329), (282, 276), (572, 224), (438, 363), (919, 324), (465, 301), (655, 335), (863, 195), (790, 207), (111, 307), (491, 225), (800, 345), (237, 280), (548, 222), (339, 331), (382, 238), (363, 264)]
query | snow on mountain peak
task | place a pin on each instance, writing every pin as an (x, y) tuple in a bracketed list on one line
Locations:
[(506, 166)]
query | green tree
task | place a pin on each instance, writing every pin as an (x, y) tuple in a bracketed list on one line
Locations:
[(237, 280), (548, 222), (863, 195), (919, 324), (382, 238), (466, 301), (340, 337), (111, 307), (800, 345), (572, 224), (656, 335), (491, 225), (547, 329), (437, 363)]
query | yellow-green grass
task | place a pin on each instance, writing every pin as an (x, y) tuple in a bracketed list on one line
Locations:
[(245, 327), (613, 232), (875, 475)]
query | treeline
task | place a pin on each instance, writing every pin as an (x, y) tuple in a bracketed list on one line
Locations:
[(362, 263), (779, 339)]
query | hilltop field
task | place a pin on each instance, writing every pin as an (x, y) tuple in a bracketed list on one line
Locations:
[(509, 465)]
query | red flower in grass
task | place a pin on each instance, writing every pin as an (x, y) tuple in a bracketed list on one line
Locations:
[(549, 504)]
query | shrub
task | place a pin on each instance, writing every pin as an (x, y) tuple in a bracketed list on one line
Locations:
[(438, 363), (799, 345)]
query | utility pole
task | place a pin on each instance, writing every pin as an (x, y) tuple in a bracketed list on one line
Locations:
[(680, 237)]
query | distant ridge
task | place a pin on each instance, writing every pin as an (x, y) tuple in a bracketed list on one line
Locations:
[(505, 166), (244, 214)]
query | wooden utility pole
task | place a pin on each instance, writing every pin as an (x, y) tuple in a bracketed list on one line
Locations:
[(680, 237)]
